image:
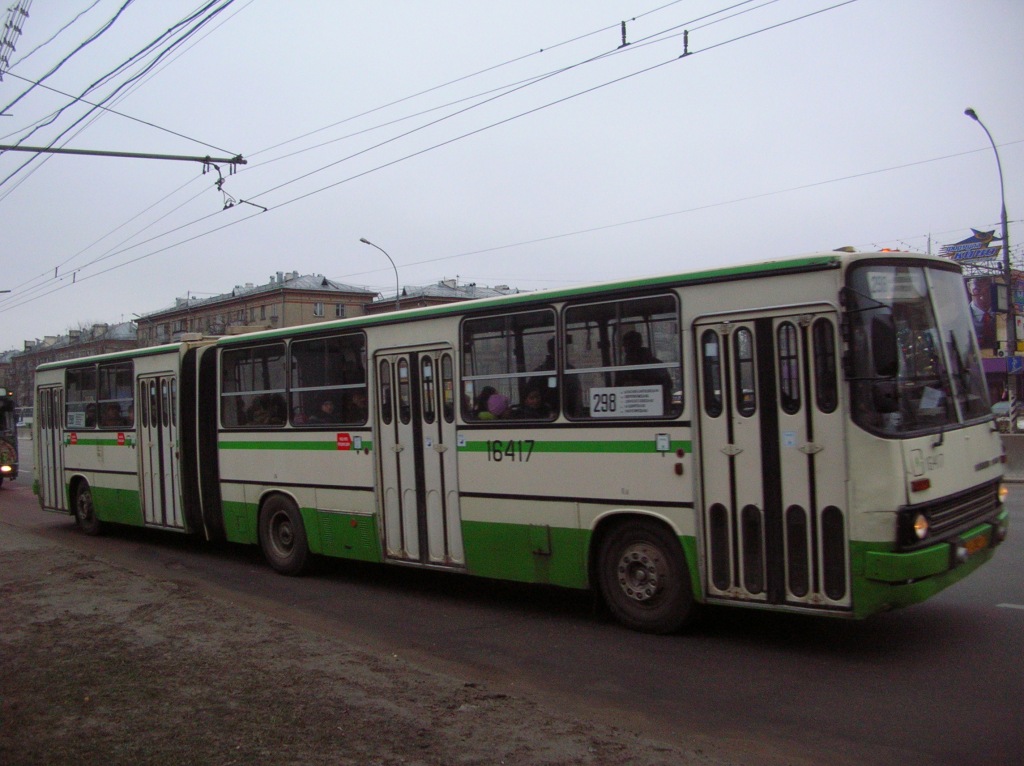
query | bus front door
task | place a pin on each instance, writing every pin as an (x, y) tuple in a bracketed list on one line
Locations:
[(419, 494), (159, 474), (50, 417), (773, 463)]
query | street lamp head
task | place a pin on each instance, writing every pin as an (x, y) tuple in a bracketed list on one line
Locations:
[(365, 241), (972, 114)]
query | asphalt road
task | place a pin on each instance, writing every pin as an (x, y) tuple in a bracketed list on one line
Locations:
[(939, 683)]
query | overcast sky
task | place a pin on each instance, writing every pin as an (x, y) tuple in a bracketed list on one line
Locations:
[(497, 142)]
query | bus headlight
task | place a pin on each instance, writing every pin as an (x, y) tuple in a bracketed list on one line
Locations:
[(5, 469), (921, 526), (912, 528)]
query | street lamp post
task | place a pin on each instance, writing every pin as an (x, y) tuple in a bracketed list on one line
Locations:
[(1011, 321), (365, 241)]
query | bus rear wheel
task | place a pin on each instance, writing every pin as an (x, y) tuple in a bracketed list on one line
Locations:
[(644, 579), (85, 512), (283, 536)]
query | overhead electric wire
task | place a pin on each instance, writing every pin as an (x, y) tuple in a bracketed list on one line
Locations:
[(159, 56), (452, 140), (107, 109), (172, 47), (91, 39), (55, 35), (463, 78), (639, 43)]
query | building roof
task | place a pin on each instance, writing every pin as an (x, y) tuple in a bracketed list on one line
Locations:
[(282, 281), (449, 289)]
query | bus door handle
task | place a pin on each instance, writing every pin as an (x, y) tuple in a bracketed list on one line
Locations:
[(811, 448), (397, 448), (732, 450)]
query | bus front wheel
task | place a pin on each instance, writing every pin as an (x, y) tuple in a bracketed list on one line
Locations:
[(283, 536), (85, 512), (644, 579)]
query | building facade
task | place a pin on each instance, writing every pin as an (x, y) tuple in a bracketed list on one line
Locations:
[(286, 300), (97, 339)]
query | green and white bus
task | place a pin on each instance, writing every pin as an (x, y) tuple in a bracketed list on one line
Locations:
[(810, 435)]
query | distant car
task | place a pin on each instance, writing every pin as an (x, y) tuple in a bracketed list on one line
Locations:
[(1006, 421)]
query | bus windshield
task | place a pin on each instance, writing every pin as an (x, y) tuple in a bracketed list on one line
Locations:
[(915, 366)]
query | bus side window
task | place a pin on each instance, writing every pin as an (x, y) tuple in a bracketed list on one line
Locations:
[(81, 397), (625, 350), (746, 395), (448, 388), (789, 368), (826, 392), (712, 381), (509, 369), (253, 384)]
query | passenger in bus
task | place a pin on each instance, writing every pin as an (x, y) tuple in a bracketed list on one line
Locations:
[(534, 407), (90, 415), (111, 416), (326, 413), (497, 408), (480, 403), (268, 410), (636, 353), (356, 410)]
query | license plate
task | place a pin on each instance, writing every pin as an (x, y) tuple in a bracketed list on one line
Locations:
[(976, 544)]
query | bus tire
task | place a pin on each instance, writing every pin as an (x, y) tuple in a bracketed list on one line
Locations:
[(644, 579), (85, 511), (283, 536)]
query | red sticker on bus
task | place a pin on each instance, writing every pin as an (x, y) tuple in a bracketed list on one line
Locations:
[(344, 441), (120, 440), (73, 438)]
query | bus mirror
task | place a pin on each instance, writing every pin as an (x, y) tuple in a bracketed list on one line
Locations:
[(883, 346)]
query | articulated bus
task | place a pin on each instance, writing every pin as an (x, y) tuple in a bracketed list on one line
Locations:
[(8, 437), (810, 435)]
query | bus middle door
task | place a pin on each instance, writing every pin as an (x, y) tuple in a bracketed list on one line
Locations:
[(419, 485), (159, 469)]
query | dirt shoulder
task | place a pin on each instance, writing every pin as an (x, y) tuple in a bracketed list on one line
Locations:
[(100, 666)]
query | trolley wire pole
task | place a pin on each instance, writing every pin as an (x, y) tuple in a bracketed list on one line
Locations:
[(1011, 319)]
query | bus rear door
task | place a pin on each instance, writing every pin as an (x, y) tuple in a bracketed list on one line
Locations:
[(50, 404), (773, 463)]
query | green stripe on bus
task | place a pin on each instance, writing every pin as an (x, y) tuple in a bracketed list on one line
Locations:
[(322, 446), (644, 446)]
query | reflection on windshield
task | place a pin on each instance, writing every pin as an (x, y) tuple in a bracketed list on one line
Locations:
[(936, 380)]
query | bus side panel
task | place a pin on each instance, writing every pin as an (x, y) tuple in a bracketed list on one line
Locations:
[(107, 461)]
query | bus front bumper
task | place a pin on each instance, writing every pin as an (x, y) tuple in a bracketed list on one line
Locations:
[(936, 559), (893, 579)]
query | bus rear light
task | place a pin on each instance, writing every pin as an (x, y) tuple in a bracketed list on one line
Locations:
[(920, 485)]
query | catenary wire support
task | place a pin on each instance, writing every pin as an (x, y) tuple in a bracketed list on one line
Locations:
[(686, 43), (207, 160), (624, 41)]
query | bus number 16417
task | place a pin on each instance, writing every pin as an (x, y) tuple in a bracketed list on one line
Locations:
[(517, 450)]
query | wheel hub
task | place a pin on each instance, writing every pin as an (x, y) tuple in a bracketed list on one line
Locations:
[(640, 572)]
